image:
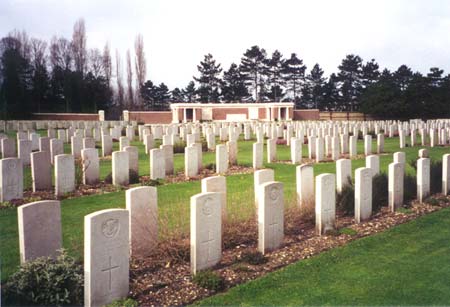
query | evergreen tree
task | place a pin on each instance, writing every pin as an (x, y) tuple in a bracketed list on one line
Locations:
[(233, 87), (253, 68), (273, 71), (350, 79), (162, 96), (209, 79), (190, 92), (329, 96), (370, 73), (294, 75), (177, 95), (312, 90), (403, 77)]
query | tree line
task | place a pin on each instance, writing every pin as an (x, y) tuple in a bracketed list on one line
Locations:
[(64, 75)]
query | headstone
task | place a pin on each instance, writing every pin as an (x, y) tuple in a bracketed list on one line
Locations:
[(367, 145), (311, 147), (123, 142), (206, 231), (41, 171), (39, 229), (56, 148), (325, 203), (380, 143), (352, 147), (258, 151), (107, 145), (24, 151), (77, 145), (399, 157), (191, 161), (120, 168), (319, 150), (305, 185), (334, 148), (296, 150), (446, 174), (271, 150), (8, 148), (11, 179), (198, 146), (168, 158), (106, 256), (423, 153), (133, 156), (217, 184), (363, 194), (221, 159), (373, 162), (395, 185), (423, 179), (343, 173), (142, 203), (91, 166), (64, 174), (260, 177), (148, 142), (232, 152), (270, 216)]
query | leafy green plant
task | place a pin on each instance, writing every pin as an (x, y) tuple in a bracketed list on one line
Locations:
[(134, 177), (345, 200), (152, 182), (108, 178), (178, 147), (348, 231), (253, 257), (436, 177), (46, 281), (410, 187), (380, 193), (209, 280), (126, 302)]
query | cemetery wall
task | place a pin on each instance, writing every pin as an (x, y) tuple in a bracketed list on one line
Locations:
[(345, 116), (153, 117), (313, 114), (65, 116)]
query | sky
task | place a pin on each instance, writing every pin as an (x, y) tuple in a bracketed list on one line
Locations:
[(178, 33)]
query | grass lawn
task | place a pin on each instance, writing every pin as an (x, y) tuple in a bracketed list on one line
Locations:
[(405, 265), (174, 199)]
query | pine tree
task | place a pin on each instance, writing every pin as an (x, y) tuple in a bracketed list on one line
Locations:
[(209, 79), (294, 75), (253, 67), (403, 76), (370, 73), (190, 92), (350, 75), (274, 70), (177, 95), (233, 87), (312, 90)]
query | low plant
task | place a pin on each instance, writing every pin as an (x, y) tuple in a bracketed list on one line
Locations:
[(348, 231), (253, 257), (151, 182), (125, 302), (178, 147), (133, 177), (108, 178), (432, 201), (410, 187), (210, 166), (380, 186), (209, 280), (78, 171), (46, 281), (436, 177), (345, 200)]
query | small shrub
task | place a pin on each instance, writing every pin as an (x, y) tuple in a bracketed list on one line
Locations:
[(436, 177), (134, 177), (380, 191), (151, 182), (178, 147), (404, 210), (348, 231), (46, 281), (410, 187), (210, 166), (78, 171), (6, 205), (239, 267), (208, 280), (254, 258), (204, 146), (108, 178), (345, 200), (413, 163), (126, 302), (432, 201)]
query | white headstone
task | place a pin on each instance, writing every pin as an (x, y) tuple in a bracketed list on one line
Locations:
[(325, 203), (343, 173), (363, 194), (305, 185), (91, 166), (64, 174), (120, 168), (395, 185), (423, 179), (11, 179)]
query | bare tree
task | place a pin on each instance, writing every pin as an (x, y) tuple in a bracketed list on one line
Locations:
[(38, 50), (140, 65), (60, 53), (120, 89), (95, 62), (130, 90), (79, 46), (107, 64), (22, 38)]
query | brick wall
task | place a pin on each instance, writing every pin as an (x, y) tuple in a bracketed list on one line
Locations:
[(306, 114), (221, 114), (345, 116), (65, 116), (153, 117)]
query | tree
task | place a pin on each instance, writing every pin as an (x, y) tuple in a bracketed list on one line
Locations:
[(403, 77), (312, 90), (107, 64), (294, 75), (140, 63), (253, 67), (119, 80), (274, 70), (130, 92), (349, 76), (40, 77), (190, 92), (209, 81), (95, 63), (162, 96), (329, 96), (233, 86), (370, 73), (177, 95), (79, 46)]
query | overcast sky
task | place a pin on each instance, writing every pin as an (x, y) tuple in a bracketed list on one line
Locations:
[(178, 33)]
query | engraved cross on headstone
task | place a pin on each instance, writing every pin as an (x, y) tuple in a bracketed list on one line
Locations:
[(109, 270)]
